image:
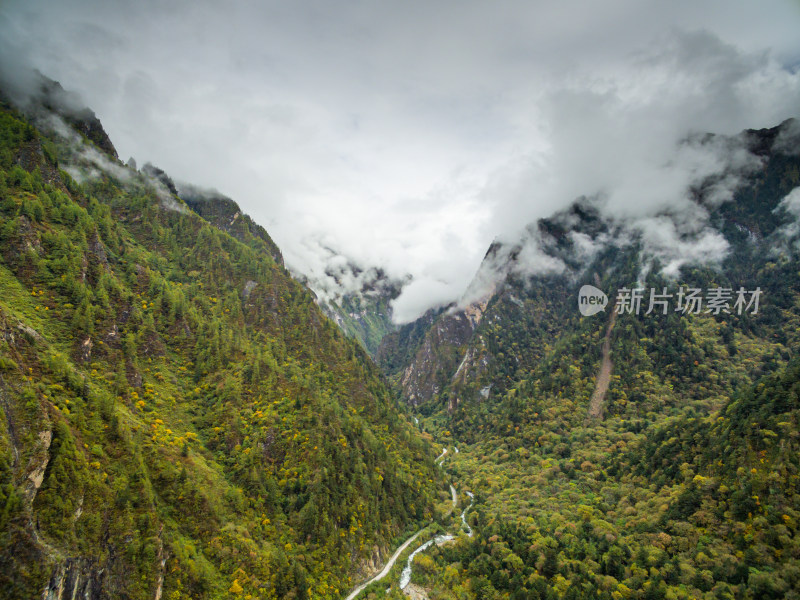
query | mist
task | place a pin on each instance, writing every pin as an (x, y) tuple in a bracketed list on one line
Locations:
[(407, 138)]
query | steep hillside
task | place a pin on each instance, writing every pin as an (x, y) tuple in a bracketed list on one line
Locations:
[(693, 507), (516, 331), (680, 478), (225, 214), (179, 419), (358, 300)]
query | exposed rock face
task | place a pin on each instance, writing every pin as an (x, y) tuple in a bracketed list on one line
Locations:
[(85, 350), (75, 579), (441, 356), (160, 175), (70, 107), (38, 464), (98, 250), (133, 376), (371, 565), (162, 561), (32, 155), (249, 286), (415, 592), (27, 241), (28, 332)]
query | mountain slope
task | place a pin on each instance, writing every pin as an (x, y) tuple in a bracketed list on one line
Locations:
[(692, 507), (531, 307), (179, 418), (680, 480), (359, 300)]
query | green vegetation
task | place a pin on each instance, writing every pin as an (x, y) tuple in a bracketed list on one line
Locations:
[(364, 318), (694, 507), (177, 412), (686, 484), (180, 418)]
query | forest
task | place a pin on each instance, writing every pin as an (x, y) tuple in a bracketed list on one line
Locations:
[(179, 416), (183, 420)]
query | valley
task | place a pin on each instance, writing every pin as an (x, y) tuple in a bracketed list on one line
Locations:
[(184, 418)]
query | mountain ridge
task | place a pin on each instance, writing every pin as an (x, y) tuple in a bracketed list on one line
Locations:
[(180, 419), (569, 241)]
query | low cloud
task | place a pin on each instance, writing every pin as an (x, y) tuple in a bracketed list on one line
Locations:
[(85, 162), (662, 208), (788, 140), (408, 137), (788, 236), (419, 293), (662, 239)]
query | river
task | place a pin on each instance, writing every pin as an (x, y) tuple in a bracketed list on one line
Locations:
[(405, 576), (386, 568)]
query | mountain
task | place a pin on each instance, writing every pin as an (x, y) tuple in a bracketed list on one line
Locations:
[(692, 506), (359, 300), (224, 214), (646, 453), (617, 392), (179, 418), (523, 299)]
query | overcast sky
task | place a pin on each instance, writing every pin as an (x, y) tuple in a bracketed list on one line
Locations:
[(410, 134)]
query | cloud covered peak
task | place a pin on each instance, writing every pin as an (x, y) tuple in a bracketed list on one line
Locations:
[(707, 174), (408, 136)]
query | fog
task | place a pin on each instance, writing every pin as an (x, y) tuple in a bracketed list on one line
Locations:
[(409, 136)]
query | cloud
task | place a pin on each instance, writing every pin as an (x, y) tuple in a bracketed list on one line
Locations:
[(408, 136), (662, 239), (788, 140), (791, 203), (421, 292), (663, 208), (789, 234), (86, 162)]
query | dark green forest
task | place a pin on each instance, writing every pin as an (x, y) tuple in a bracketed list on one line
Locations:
[(182, 420), (178, 414)]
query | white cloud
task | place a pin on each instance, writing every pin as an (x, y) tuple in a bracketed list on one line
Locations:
[(409, 135), (789, 234), (421, 292), (662, 239), (791, 203)]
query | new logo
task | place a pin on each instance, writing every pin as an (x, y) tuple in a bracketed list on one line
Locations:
[(591, 300)]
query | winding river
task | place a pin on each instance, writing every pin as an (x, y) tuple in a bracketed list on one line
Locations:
[(464, 514), (386, 568), (405, 576)]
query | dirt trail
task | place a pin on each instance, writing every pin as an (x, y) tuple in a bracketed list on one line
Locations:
[(604, 375)]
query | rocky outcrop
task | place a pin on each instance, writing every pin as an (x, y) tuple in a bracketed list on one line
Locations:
[(38, 464), (443, 353), (75, 579), (32, 156), (371, 564), (161, 557), (161, 176), (69, 106), (97, 250), (415, 592), (249, 286), (85, 350)]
